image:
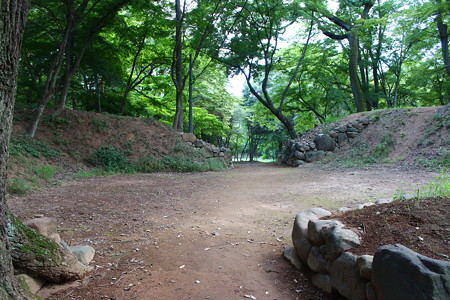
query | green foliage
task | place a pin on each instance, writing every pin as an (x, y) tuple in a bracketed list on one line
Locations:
[(384, 148), (18, 186), (23, 145), (100, 125), (109, 159), (438, 187), (45, 172), (180, 163), (441, 160)]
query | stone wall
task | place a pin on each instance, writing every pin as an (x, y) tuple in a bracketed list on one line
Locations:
[(209, 151), (322, 248), (315, 144)]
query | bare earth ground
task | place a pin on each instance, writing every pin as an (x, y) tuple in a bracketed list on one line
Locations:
[(203, 235)]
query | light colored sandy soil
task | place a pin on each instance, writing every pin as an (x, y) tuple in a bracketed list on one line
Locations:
[(200, 236)]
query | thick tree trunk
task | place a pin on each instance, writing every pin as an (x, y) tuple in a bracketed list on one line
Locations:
[(38, 256), (177, 69), (443, 36), (19, 245), (13, 14), (358, 95)]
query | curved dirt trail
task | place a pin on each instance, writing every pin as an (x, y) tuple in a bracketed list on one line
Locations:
[(200, 236)]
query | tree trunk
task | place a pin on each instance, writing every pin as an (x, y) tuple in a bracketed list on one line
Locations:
[(177, 68), (358, 95), (41, 257), (98, 98), (18, 242), (13, 14), (443, 36), (53, 72)]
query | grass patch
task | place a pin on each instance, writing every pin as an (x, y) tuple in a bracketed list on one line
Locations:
[(31, 178), (110, 159), (440, 161), (439, 187), (384, 148), (45, 172), (19, 186), (179, 163), (100, 125), (24, 145)]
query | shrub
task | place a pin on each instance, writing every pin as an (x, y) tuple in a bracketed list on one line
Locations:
[(110, 159)]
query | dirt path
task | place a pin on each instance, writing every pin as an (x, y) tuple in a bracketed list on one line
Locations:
[(200, 236)]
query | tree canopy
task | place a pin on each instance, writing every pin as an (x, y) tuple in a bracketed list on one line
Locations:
[(303, 62)]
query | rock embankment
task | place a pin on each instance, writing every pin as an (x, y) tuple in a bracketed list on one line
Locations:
[(314, 145), (208, 150), (322, 248)]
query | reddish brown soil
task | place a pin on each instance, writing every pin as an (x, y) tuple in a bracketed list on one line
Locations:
[(421, 225), (204, 235)]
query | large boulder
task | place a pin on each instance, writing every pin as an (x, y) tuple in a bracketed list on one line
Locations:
[(83, 253), (338, 240), (346, 279), (324, 142), (315, 228), (300, 230), (316, 261), (312, 156), (189, 137), (400, 273)]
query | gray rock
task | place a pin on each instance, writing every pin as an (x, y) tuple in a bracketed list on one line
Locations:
[(364, 263), (189, 137), (342, 137), (337, 240), (358, 126), (291, 255), (341, 129), (315, 230), (323, 282), (199, 143), (334, 134), (33, 284), (316, 261), (207, 153), (303, 247), (299, 155), (299, 147), (312, 156), (324, 142), (384, 200), (302, 219), (297, 163), (352, 134), (45, 226), (364, 121), (345, 278), (84, 253), (300, 230), (400, 273), (221, 154), (351, 129)]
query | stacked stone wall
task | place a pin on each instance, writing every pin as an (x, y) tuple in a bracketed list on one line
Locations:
[(316, 144), (322, 248), (209, 151)]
